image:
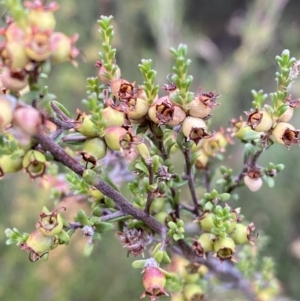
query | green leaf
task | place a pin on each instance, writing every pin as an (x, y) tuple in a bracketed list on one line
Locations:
[(224, 197), (89, 247), (138, 264), (270, 181), (10, 241), (102, 227), (63, 237), (172, 225), (82, 218), (176, 236), (142, 167)]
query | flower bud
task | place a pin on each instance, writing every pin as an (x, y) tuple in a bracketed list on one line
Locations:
[(242, 234), (202, 160), (27, 119), (85, 126), (259, 121), (206, 220), (13, 33), (13, 56), (239, 128), (103, 74), (253, 184), (38, 245), (202, 105), (224, 248), (285, 133), (34, 163), (10, 163), (193, 292), (93, 150), (50, 224), (113, 137), (62, 47), (194, 129), (113, 117), (204, 244), (6, 110), (154, 282), (41, 15), (14, 81), (215, 144), (137, 108), (178, 116)]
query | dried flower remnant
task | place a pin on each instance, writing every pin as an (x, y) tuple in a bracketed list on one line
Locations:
[(34, 163), (194, 129), (259, 120), (50, 223), (161, 111), (202, 105), (134, 240), (285, 133)]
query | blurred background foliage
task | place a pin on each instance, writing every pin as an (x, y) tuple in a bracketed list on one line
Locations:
[(233, 45)]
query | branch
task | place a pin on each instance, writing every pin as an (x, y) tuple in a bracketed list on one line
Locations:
[(151, 182), (189, 176), (125, 206), (66, 125)]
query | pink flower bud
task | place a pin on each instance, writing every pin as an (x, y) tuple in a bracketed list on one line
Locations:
[(62, 47), (14, 81), (154, 282), (27, 119)]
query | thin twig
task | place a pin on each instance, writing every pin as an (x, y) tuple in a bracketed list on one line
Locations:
[(66, 125), (165, 157), (191, 183), (151, 182), (111, 216), (74, 138), (59, 112), (187, 207)]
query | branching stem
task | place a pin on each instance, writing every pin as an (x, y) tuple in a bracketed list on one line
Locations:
[(125, 206)]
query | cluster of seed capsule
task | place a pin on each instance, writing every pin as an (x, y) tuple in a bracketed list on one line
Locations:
[(127, 106), (31, 41), (29, 44), (270, 128), (221, 233)]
